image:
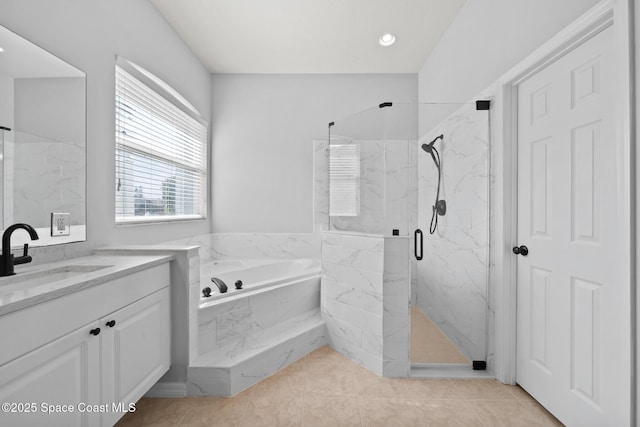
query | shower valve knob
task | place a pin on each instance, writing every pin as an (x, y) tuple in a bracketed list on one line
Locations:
[(522, 250)]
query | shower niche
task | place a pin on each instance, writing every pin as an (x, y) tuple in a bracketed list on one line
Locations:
[(402, 199)]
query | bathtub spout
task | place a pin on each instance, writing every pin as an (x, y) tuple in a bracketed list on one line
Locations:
[(222, 287)]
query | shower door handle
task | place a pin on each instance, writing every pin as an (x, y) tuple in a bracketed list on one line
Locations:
[(417, 234)]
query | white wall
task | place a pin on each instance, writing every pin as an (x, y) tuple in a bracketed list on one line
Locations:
[(89, 35), (262, 133), (486, 39)]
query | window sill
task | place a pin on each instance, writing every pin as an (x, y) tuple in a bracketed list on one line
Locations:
[(159, 220)]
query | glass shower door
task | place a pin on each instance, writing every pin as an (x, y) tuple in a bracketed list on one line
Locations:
[(449, 285)]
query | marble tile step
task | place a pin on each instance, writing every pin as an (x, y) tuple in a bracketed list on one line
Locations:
[(215, 374), (258, 342)]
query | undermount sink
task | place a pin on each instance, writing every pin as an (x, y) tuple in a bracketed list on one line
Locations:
[(44, 277)]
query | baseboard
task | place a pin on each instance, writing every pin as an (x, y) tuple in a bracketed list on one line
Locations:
[(167, 390)]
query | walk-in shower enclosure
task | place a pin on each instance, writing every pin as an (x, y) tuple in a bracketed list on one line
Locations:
[(375, 186)]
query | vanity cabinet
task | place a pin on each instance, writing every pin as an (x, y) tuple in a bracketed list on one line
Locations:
[(135, 351), (89, 375), (62, 373)]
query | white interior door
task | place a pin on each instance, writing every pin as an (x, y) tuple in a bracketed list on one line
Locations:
[(570, 326)]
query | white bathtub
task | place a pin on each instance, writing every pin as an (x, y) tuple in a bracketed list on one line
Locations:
[(254, 274)]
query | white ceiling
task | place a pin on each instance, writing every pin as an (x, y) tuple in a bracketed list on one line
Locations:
[(309, 36)]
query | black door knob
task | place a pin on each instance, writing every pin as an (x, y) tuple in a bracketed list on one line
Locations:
[(111, 323), (95, 331), (522, 250)]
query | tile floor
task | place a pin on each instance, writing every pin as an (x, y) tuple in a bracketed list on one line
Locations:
[(429, 344), (326, 389)]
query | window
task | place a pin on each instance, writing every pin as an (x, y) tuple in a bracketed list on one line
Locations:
[(344, 180), (161, 150)]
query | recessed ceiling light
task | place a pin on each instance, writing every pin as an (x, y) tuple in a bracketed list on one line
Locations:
[(1, 50), (387, 39)]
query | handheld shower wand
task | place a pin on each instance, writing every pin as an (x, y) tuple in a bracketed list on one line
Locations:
[(440, 206)]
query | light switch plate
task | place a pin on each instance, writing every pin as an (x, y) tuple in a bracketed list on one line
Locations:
[(60, 224)]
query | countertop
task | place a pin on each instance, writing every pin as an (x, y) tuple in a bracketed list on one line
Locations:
[(15, 295)]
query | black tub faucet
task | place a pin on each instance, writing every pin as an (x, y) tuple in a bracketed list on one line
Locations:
[(222, 287), (7, 260)]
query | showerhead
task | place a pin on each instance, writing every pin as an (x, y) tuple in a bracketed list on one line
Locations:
[(429, 147), (440, 206)]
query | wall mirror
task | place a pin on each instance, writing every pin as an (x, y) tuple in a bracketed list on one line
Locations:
[(43, 143)]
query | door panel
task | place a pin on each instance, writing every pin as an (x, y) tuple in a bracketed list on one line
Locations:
[(540, 181), (585, 143), (585, 344), (539, 326), (569, 323)]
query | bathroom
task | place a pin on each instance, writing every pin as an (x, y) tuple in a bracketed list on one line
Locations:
[(262, 124)]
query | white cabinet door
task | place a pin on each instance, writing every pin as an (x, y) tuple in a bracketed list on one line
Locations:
[(64, 372), (135, 350), (570, 325)]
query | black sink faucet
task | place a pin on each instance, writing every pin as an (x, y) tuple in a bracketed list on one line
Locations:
[(7, 261)]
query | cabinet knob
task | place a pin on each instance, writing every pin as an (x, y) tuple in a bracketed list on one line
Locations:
[(95, 331), (111, 323)]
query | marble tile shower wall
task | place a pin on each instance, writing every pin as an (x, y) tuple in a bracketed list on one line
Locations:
[(397, 172), (384, 188), (452, 278), (365, 299), (412, 217), (320, 186), (352, 296), (401, 175), (371, 218), (396, 287)]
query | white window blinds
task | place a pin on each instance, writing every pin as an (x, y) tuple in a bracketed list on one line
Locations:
[(161, 154), (344, 180)]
